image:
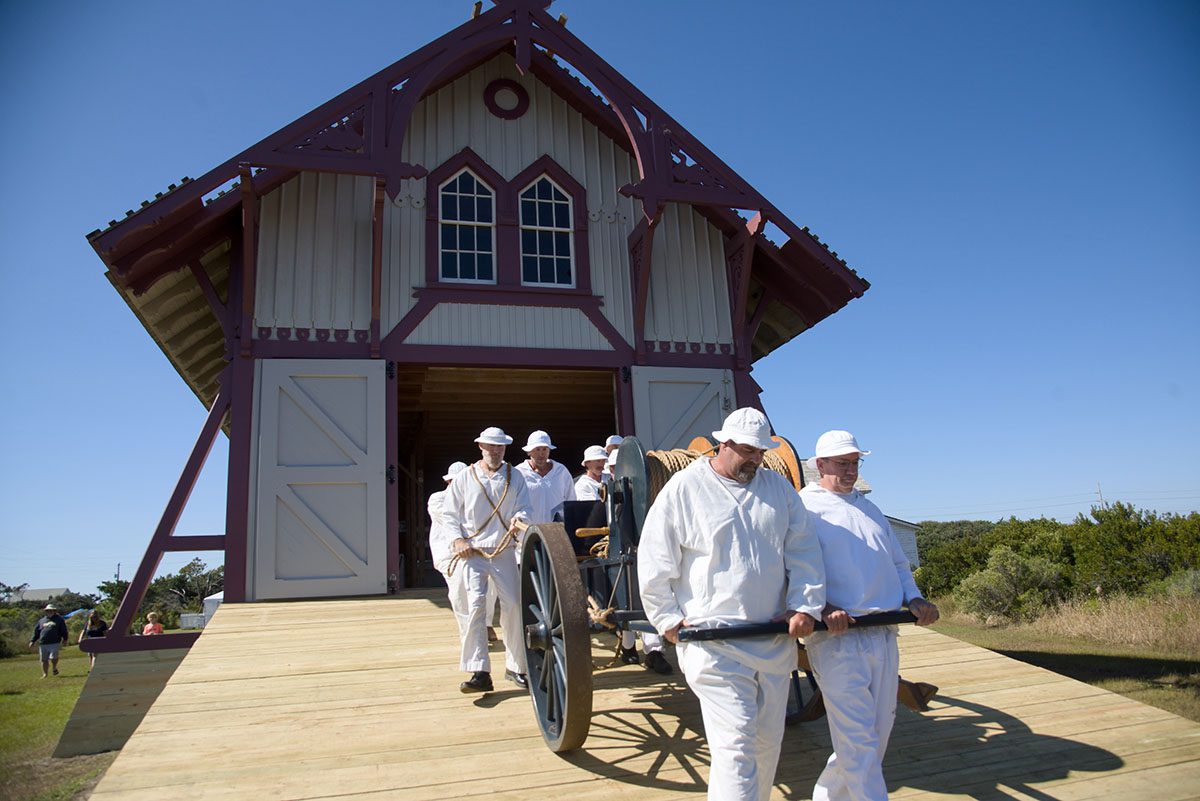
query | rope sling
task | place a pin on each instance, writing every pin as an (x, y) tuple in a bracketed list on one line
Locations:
[(510, 536)]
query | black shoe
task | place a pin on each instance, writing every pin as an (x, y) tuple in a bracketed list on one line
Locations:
[(517, 679), (658, 663), (480, 682), (629, 656)]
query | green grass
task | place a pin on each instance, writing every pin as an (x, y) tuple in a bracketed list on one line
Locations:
[(1163, 677), (33, 713)]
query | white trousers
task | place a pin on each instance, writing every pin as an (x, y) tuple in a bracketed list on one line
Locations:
[(743, 711), (478, 575), (456, 591), (650, 642), (858, 673)]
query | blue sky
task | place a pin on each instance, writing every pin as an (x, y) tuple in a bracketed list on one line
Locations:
[(1020, 182)]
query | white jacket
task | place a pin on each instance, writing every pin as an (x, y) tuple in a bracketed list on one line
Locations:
[(466, 509), (716, 554), (547, 493), (866, 569)]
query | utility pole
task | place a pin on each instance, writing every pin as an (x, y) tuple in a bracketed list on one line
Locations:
[(1103, 505), (119, 570)]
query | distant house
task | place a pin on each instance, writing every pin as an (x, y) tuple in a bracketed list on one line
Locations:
[(41, 595), (906, 532)]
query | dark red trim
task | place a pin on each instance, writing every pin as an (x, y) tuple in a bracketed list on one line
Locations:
[(475, 356), (237, 504), (408, 323), (507, 224), (249, 255), (623, 389), (641, 255), (376, 265), (219, 309), (161, 541), (310, 349), (717, 360), (760, 311), (196, 542), (392, 489), (159, 642), (489, 99), (747, 390)]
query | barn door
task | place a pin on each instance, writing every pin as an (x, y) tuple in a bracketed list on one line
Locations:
[(671, 405), (320, 525)]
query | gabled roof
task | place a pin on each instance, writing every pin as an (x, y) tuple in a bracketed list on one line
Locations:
[(362, 130)]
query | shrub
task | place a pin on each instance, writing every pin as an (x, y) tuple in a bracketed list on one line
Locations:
[(1012, 588)]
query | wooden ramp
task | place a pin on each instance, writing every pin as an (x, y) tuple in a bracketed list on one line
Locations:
[(359, 699)]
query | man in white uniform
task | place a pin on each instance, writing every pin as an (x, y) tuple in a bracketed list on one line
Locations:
[(481, 506), (550, 483), (440, 537), (588, 485), (610, 446), (727, 543), (858, 669)]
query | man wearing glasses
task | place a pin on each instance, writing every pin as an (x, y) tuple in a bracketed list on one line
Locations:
[(858, 669)]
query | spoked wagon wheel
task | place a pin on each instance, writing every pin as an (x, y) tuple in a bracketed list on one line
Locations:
[(557, 644)]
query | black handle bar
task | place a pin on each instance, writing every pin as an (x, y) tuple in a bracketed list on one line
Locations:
[(688, 634)]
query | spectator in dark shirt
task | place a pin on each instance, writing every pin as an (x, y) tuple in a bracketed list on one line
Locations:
[(49, 635)]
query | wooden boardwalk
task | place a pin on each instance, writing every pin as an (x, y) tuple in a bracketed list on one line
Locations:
[(359, 699)]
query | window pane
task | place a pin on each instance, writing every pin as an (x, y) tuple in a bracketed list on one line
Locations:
[(544, 189), (562, 216), (466, 210), (466, 183), (529, 269), (449, 240), (466, 265), (449, 266), (557, 195), (564, 271), (528, 242), (466, 237), (545, 215), (545, 243), (530, 193), (483, 210), (483, 240), (528, 212), (562, 243), (449, 207), (483, 264), (546, 270)]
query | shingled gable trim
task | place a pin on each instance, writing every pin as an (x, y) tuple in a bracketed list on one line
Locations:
[(673, 165)]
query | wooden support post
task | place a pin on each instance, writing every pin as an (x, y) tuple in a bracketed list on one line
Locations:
[(377, 263)]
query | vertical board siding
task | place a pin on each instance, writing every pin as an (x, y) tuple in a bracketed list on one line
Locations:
[(314, 254), (507, 327), (315, 241), (689, 295), (455, 117)]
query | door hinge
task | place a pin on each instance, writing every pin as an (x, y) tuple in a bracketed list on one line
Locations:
[(391, 474), (391, 369)]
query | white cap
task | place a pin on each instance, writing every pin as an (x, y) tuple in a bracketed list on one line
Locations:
[(538, 439), (593, 453), (493, 436), (746, 426), (615, 439), (453, 470), (835, 443)]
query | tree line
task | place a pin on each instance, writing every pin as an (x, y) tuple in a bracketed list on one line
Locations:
[(170, 595), (1014, 570)]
